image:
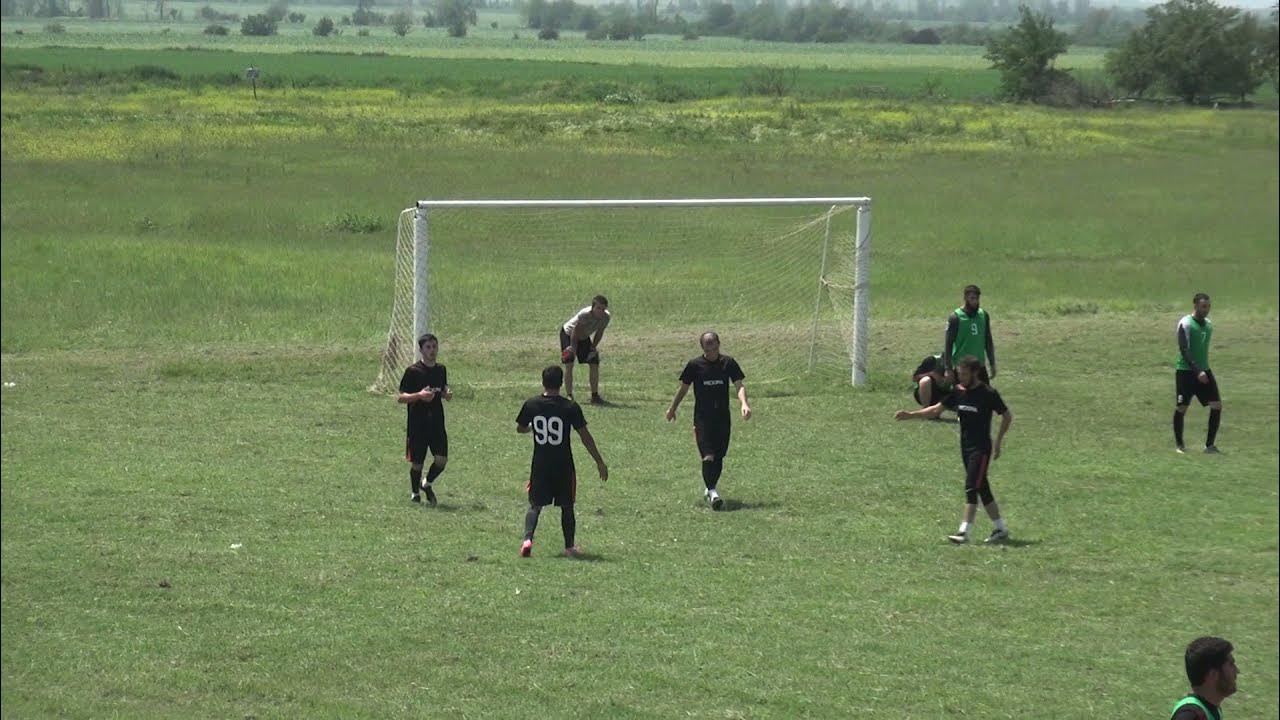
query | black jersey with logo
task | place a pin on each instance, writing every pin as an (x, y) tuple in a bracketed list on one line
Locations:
[(711, 380), (975, 407), (418, 377)]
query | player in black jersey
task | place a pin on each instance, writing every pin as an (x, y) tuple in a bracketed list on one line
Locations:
[(710, 376), (552, 478), (422, 388), (974, 401)]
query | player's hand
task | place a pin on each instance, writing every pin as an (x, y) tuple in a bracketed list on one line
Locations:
[(448, 394), (566, 355), (1203, 377), (427, 394), (995, 452), (992, 374), (603, 470), (951, 376), (746, 411), (902, 415), (593, 356), (671, 414)]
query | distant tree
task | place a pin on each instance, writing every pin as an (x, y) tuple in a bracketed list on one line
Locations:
[(277, 10), (324, 28), (548, 33), (456, 15), (401, 21), (260, 25), (1024, 55), (297, 17), (1194, 50)]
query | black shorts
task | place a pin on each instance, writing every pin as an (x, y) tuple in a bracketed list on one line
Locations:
[(937, 396), (547, 487), (976, 482), (432, 440), (585, 351), (1189, 386), (711, 440)]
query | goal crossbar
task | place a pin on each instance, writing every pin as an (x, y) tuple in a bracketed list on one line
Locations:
[(668, 202)]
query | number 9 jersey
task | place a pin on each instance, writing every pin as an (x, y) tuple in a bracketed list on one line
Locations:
[(550, 418)]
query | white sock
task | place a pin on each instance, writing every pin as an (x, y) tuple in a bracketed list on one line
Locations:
[(1000, 524), (964, 528)]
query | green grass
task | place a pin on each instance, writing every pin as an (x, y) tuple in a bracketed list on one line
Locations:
[(189, 330)]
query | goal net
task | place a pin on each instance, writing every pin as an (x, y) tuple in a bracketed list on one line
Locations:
[(782, 280)]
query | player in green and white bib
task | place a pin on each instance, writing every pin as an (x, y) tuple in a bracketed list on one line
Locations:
[(1212, 672), (1192, 376), (969, 334)]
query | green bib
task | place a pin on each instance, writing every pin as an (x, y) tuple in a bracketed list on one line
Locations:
[(1193, 700), (1198, 336), (971, 336)]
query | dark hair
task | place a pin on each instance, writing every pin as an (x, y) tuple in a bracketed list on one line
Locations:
[(704, 335), (552, 377), (1199, 296), (972, 289), (1206, 654), (602, 300), (426, 338), (973, 365), (927, 365)]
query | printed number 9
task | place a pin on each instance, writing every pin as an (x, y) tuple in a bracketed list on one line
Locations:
[(548, 430)]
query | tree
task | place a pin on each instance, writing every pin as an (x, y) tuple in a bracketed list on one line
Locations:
[(1194, 50), (456, 15), (1024, 55), (401, 21), (258, 25), (278, 10), (324, 28)]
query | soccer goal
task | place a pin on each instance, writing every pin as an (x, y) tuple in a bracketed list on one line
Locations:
[(783, 280)]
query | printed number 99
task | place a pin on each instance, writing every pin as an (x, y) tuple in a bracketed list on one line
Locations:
[(548, 430)]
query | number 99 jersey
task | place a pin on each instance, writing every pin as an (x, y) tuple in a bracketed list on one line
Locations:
[(550, 418)]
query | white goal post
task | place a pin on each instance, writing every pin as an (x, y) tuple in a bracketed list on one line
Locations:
[(412, 308)]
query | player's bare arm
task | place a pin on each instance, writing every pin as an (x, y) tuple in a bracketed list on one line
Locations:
[(1005, 421), (932, 411), (595, 342), (523, 429), (589, 443), (423, 395), (742, 398), (675, 403), (448, 393)]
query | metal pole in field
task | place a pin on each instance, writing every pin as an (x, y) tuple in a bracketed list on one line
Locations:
[(861, 295), (421, 290), (252, 75)]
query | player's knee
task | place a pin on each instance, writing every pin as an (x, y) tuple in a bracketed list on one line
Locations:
[(440, 461), (1216, 405), (708, 458), (971, 496), (1180, 409), (416, 466)]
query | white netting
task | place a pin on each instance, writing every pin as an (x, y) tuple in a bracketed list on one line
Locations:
[(777, 283)]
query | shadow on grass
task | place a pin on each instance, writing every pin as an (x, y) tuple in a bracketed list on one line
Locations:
[(585, 557), (731, 505)]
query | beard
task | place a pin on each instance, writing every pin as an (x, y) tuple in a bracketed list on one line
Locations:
[(1226, 686)]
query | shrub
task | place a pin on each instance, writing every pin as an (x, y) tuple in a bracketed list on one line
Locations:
[(548, 33), (216, 29), (260, 25), (356, 223), (297, 17), (363, 32), (55, 28), (324, 28), (401, 21), (277, 10), (153, 73), (927, 36)]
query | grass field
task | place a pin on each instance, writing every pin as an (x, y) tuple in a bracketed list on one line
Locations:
[(204, 511)]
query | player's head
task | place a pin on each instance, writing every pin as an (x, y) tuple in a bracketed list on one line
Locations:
[(972, 296), (710, 343), (1211, 665), (552, 377), (970, 371), (428, 345), (599, 304), (1201, 304), (927, 366)]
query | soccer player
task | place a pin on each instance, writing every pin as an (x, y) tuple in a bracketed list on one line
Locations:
[(423, 386), (974, 402), (929, 381), (1211, 669), (710, 375), (576, 341), (552, 478), (969, 333), (1193, 376)]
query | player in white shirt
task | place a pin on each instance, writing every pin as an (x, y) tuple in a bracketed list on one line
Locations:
[(580, 339)]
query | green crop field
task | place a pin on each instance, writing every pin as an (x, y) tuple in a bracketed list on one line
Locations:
[(204, 509)]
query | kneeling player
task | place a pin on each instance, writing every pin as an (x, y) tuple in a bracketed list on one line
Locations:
[(552, 478), (974, 402), (929, 381), (423, 386), (710, 375)]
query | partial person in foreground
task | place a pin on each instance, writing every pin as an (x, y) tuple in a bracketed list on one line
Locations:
[(1192, 375), (580, 338), (422, 388), (969, 334), (974, 401), (710, 375), (1211, 670), (552, 476)]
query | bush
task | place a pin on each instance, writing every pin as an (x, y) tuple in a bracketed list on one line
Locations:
[(364, 16), (324, 28), (548, 33), (297, 17), (494, 25), (927, 36), (689, 35), (356, 223), (773, 81), (277, 10), (401, 21), (208, 13), (260, 25), (216, 29), (153, 73), (55, 28)]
